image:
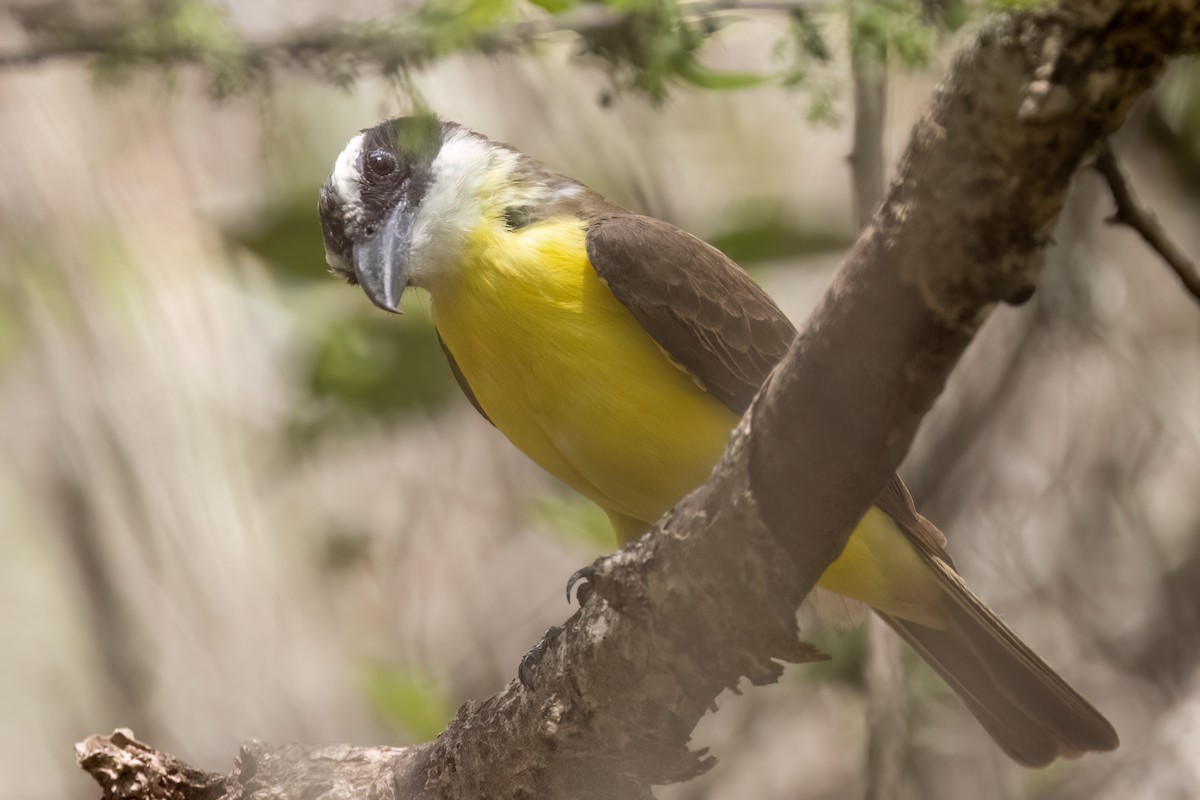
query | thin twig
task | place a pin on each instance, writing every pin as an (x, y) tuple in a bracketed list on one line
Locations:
[(359, 44), (1133, 214), (354, 42)]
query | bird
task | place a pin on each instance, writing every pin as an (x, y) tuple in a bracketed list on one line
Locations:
[(618, 352)]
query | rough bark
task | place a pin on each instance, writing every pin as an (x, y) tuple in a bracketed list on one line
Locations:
[(709, 596)]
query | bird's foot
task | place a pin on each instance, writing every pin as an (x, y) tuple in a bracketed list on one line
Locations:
[(582, 578), (531, 660)]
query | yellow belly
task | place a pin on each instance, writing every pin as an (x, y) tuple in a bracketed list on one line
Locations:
[(572, 379), (564, 370)]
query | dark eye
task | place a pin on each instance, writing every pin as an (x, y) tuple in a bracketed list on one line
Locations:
[(380, 163)]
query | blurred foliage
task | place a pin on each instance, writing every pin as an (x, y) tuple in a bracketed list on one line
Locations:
[(197, 29), (924, 688), (575, 520), (287, 237), (892, 31), (379, 366), (810, 64), (1016, 5), (767, 234), (645, 46), (36, 286), (410, 701), (846, 648), (1176, 116), (10, 334), (957, 13), (341, 549), (465, 16), (12, 302), (653, 45), (901, 33), (1042, 782), (362, 364)]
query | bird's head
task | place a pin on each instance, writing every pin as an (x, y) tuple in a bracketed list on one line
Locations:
[(403, 199)]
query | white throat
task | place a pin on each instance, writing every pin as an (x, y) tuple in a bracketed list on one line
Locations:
[(468, 172)]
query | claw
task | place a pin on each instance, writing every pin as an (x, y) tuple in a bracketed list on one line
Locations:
[(526, 669), (584, 574), (530, 661)]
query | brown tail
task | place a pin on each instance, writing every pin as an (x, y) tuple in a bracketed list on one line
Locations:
[(1027, 708)]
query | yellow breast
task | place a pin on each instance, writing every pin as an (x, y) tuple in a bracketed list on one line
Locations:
[(567, 373)]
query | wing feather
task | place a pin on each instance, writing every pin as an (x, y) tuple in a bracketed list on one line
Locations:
[(714, 321), (701, 308)]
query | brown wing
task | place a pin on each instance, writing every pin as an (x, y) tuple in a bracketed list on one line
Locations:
[(700, 307), (716, 322)]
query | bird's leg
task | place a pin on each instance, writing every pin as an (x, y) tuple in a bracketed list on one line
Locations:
[(529, 662)]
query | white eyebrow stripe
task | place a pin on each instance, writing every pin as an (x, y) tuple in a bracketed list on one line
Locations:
[(346, 176)]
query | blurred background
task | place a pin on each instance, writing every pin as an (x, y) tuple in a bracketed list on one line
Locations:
[(237, 501)]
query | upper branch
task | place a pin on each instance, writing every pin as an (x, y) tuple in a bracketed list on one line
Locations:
[(337, 50)]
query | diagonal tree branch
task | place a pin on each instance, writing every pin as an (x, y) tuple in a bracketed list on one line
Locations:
[(1131, 213), (709, 596)]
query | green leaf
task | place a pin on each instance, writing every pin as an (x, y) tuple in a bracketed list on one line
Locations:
[(697, 74)]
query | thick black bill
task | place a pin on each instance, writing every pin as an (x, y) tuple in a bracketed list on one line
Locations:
[(381, 262)]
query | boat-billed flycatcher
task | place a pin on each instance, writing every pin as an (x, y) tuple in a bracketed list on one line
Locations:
[(618, 352)]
